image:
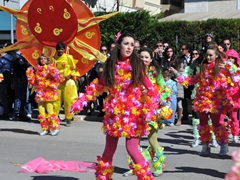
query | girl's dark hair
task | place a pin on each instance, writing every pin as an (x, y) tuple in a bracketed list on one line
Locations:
[(60, 45), (166, 72), (154, 62), (178, 63), (165, 53), (44, 55), (138, 67), (219, 59)]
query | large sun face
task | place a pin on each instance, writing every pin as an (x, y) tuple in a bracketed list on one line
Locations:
[(41, 24), (52, 21)]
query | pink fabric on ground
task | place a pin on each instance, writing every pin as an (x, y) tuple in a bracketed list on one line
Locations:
[(42, 166)]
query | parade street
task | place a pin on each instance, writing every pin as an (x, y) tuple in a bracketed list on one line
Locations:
[(83, 141)]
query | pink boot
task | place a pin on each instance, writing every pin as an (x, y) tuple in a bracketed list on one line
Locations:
[(142, 171), (104, 170)]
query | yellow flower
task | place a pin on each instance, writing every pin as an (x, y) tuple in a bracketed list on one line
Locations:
[(134, 111), (128, 76), (156, 164), (137, 167), (116, 111), (89, 97), (124, 134), (116, 125), (118, 87), (120, 71)]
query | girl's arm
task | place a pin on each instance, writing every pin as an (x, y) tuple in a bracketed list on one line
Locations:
[(30, 76), (233, 70), (72, 67), (152, 100), (94, 89)]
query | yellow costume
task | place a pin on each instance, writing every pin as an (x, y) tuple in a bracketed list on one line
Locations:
[(67, 89)]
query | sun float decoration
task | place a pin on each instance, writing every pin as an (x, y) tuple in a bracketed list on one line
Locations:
[(42, 24)]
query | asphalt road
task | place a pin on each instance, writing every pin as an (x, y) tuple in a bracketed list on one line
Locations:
[(83, 141)]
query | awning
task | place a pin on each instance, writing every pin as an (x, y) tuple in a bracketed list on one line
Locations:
[(228, 14)]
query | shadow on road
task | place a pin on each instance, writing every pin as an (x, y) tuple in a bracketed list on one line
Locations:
[(93, 118), (53, 178), (120, 170), (22, 131), (210, 172)]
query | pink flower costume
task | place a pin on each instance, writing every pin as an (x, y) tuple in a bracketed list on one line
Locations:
[(213, 97), (46, 80), (126, 108), (235, 92)]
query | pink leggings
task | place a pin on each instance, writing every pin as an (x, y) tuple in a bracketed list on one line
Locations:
[(131, 146), (233, 122)]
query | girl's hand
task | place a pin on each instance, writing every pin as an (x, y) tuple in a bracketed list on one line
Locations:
[(171, 69), (221, 65)]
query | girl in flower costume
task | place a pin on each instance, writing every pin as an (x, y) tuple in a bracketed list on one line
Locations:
[(184, 80), (45, 78), (130, 104), (213, 98), (232, 64), (165, 112)]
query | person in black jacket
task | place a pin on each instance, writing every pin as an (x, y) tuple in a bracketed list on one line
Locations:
[(6, 70), (186, 50), (20, 85)]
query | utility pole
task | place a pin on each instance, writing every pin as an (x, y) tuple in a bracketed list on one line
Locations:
[(118, 4)]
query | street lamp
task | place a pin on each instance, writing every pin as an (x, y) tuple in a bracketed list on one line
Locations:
[(5, 1)]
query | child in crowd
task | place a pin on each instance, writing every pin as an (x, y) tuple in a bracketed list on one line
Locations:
[(173, 102), (45, 79), (176, 70)]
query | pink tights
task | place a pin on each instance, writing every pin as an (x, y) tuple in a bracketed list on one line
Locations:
[(131, 146), (233, 122)]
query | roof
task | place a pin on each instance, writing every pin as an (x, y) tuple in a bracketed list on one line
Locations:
[(227, 14)]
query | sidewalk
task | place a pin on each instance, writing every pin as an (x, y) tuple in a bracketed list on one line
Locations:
[(84, 140)]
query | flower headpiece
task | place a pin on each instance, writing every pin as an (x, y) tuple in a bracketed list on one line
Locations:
[(117, 36)]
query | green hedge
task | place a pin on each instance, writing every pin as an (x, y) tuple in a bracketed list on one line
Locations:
[(147, 29)]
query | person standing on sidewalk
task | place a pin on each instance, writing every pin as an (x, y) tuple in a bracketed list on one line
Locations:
[(67, 90), (46, 78), (129, 106)]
